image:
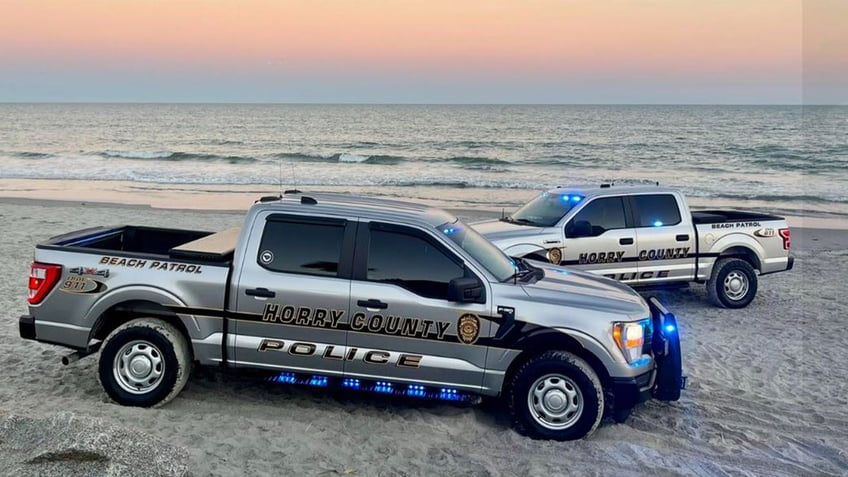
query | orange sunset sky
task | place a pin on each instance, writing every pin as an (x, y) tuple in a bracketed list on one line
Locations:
[(557, 51)]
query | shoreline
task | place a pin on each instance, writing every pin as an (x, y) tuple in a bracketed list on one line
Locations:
[(811, 236), (222, 198)]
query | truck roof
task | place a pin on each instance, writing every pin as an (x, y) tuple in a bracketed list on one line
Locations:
[(349, 205), (589, 191)]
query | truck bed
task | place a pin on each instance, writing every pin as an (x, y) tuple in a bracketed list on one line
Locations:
[(718, 216), (179, 244)]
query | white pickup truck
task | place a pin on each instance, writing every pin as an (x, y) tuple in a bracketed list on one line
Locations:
[(646, 235)]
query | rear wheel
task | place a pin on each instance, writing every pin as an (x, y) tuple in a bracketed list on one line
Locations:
[(145, 362), (556, 395), (733, 283)]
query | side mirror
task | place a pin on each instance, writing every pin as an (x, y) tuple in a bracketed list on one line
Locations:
[(466, 290), (579, 228)]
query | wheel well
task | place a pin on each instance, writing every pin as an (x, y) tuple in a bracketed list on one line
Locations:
[(130, 310), (743, 253), (555, 341)]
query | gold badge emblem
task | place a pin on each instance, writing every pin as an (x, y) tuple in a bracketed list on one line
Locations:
[(468, 328), (555, 256)]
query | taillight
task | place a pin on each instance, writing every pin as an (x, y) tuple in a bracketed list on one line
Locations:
[(42, 278), (786, 235)]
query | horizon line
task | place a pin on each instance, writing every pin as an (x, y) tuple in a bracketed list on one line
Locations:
[(380, 103)]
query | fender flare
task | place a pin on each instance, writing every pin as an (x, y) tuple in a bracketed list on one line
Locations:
[(137, 293)]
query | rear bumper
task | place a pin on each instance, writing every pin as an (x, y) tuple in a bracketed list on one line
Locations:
[(26, 327)]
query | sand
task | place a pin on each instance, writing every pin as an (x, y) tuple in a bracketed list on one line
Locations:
[(767, 394)]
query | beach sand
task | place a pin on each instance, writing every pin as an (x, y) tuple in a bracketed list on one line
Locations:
[(767, 386)]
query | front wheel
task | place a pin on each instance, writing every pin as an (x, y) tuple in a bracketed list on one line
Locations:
[(733, 283), (556, 395), (145, 362)]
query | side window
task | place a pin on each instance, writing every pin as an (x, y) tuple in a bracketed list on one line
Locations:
[(656, 210), (596, 218), (298, 247), (411, 262)]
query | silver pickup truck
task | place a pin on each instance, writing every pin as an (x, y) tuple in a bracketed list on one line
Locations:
[(334, 290), (647, 236)]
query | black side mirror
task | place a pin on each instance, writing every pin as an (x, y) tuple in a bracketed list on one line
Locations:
[(579, 228), (466, 290)]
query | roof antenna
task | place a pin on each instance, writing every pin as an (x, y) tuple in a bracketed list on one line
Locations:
[(503, 212)]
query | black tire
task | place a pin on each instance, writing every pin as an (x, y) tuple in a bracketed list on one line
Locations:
[(726, 273), (150, 345), (548, 370)]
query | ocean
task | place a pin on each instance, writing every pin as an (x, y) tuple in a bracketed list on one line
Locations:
[(783, 159)]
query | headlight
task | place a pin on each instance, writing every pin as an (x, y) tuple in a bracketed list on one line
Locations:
[(630, 337)]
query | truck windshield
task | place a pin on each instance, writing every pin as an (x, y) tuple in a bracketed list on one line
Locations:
[(545, 210), (486, 254)]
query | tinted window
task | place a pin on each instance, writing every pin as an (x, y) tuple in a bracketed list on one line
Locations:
[(296, 247), (597, 217), (412, 263), (656, 210)]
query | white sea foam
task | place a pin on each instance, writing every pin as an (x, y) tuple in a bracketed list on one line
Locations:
[(346, 157), (139, 154)]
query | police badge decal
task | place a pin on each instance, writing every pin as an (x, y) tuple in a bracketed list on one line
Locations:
[(555, 256), (468, 328)]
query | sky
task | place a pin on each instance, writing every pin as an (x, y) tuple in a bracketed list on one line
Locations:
[(433, 51)]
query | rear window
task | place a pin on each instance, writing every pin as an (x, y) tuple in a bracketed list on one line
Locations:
[(296, 247), (656, 210)]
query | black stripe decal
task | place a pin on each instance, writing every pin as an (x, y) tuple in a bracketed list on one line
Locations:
[(636, 259), (257, 318)]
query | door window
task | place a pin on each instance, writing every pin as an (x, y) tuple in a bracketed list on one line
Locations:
[(297, 247), (411, 262), (656, 210), (596, 218)]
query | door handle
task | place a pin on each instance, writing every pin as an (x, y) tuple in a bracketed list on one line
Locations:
[(372, 303), (626, 241), (682, 237), (260, 293)]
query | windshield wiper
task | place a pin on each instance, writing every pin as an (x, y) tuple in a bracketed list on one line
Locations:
[(524, 221), (506, 219)]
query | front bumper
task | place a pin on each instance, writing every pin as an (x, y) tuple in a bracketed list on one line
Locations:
[(666, 347), (26, 327), (666, 380)]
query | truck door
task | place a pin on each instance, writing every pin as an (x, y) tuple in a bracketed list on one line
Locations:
[(599, 238), (293, 294), (403, 327), (665, 240)]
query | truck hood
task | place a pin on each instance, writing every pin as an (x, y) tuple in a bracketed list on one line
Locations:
[(499, 230), (565, 287)]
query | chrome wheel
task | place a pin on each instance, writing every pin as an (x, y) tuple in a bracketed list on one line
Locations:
[(555, 402), (736, 285), (138, 367)]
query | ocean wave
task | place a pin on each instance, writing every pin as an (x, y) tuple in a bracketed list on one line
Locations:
[(178, 156), (476, 161), (31, 155), (345, 157)]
